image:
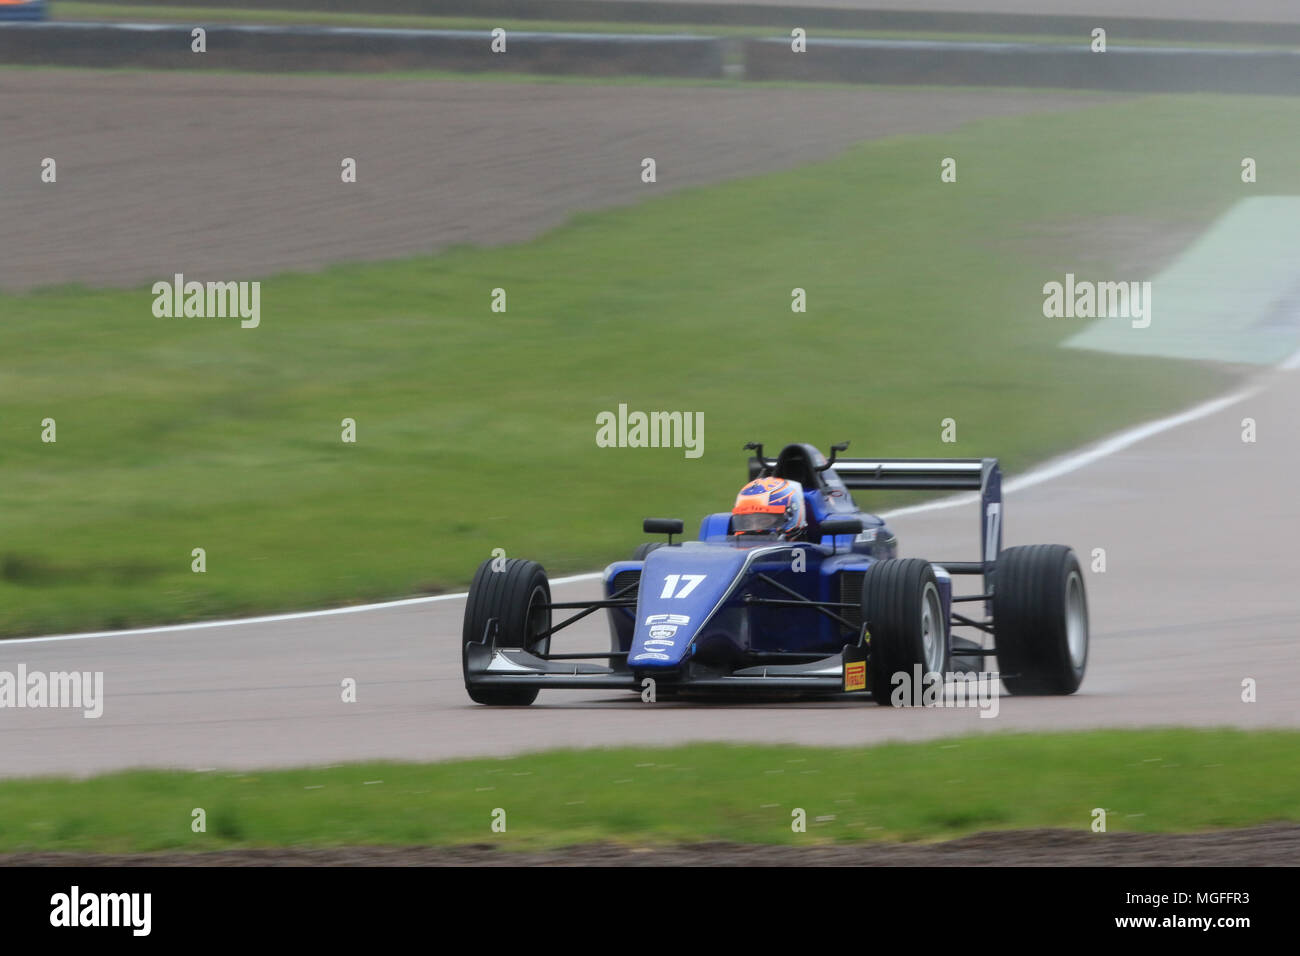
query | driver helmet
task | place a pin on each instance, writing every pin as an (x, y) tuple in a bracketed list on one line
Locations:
[(770, 506)]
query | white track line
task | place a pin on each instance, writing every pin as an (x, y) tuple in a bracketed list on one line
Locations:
[(1045, 472), (1086, 456), (267, 618)]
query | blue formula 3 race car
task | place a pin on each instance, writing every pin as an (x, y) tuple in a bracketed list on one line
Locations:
[(821, 606)]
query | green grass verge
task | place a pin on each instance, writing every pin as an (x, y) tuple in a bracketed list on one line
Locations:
[(476, 430), (1155, 781), (73, 10)]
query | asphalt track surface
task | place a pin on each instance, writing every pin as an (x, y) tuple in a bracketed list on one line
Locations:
[(1198, 594)]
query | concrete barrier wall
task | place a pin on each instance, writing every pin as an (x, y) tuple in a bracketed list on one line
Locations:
[(1145, 69), (280, 48), (270, 48), (775, 14)]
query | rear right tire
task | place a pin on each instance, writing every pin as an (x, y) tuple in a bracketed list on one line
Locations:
[(1040, 619)]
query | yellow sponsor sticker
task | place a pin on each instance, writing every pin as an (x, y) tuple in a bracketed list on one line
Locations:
[(855, 675)]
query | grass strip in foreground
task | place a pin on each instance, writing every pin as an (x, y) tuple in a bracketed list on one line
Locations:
[(1153, 781)]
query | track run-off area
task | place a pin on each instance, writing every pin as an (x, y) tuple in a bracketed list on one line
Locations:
[(1197, 596)]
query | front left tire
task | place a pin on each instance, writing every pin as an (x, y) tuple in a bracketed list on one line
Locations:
[(644, 548)]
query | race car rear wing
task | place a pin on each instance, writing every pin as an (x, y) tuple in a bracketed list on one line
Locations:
[(923, 474), (935, 474), (955, 474)]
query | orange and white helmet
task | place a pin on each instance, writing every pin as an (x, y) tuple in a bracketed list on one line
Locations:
[(769, 506)]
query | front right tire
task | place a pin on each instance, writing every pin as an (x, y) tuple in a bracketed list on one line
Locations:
[(518, 595), (903, 611)]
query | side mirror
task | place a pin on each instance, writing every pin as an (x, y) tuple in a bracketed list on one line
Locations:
[(668, 526), (841, 525)]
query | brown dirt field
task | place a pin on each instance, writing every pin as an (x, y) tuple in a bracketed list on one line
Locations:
[(1257, 846), (230, 176)]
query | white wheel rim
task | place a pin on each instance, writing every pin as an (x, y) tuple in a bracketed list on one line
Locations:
[(537, 621), (932, 629), (1076, 620)]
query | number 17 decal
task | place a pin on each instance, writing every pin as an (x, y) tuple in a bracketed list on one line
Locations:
[(689, 583), (992, 529)]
